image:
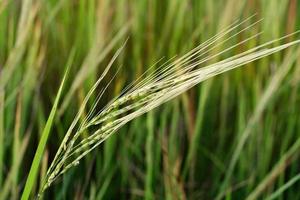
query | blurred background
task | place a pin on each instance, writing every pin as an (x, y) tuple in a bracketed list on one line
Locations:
[(235, 136)]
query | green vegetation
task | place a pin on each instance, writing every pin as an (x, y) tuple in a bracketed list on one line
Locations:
[(64, 64)]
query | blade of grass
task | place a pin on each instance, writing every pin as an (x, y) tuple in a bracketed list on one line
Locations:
[(282, 164), (149, 157), (4, 191), (105, 184), (42, 144), (16, 146), (1, 136), (284, 187)]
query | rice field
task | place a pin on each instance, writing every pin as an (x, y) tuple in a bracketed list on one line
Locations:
[(137, 99)]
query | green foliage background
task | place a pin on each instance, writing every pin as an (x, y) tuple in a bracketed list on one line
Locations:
[(183, 149)]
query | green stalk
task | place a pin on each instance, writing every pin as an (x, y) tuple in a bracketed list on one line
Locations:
[(149, 157), (283, 188), (1, 135), (42, 144)]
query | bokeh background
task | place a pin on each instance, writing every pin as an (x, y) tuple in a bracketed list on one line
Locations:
[(235, 136)]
